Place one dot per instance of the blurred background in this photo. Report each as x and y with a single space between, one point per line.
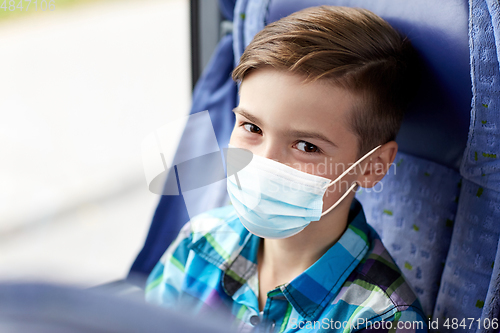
80 87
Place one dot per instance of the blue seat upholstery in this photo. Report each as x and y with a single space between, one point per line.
439 209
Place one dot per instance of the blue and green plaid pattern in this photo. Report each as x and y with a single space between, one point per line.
354 287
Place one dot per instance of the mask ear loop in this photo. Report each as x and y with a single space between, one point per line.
342 175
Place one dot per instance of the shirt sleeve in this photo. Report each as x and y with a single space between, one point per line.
407 321
164 284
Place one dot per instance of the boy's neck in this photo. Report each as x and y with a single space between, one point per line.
282 260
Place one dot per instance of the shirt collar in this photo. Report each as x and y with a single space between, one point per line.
310 292
233 249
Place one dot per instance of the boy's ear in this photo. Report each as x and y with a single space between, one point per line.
378 164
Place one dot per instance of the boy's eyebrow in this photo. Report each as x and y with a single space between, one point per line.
310 135
246 115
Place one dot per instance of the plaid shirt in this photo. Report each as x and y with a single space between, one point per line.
355 286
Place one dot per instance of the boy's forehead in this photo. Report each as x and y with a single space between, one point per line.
288 103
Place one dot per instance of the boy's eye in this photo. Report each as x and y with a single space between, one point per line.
307 147
252 128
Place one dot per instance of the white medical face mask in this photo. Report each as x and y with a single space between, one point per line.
274 200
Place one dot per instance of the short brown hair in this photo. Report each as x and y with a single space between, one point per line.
354 49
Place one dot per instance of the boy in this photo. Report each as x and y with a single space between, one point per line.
322 88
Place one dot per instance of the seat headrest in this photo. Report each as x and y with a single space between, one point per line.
437 124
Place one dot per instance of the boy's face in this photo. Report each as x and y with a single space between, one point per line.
302 125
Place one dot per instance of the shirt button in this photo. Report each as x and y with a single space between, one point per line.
254 320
